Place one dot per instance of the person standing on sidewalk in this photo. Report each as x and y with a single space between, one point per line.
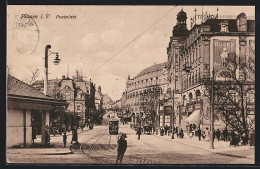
218 134
199 134
64 139
138 132
165 130
121 149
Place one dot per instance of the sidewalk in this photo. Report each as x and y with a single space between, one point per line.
57 140
220 147
41 155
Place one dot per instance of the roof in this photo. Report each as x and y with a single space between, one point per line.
18 89
82 85
232 25
151 69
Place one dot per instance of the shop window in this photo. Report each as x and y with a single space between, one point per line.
167 120
161 120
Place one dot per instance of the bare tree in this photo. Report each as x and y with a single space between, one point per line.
34 74
149 102
234 91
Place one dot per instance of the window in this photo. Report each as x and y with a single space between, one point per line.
223 28
78 108
161 120
167 120
199 75
192 78
67 95
199 51
195 77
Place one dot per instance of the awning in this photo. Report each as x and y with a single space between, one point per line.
194 118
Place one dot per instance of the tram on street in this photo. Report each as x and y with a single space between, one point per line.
113 126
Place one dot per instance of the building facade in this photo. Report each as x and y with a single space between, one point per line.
80 96
143 94
193 55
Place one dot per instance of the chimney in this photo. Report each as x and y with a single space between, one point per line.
242 22
99 89
63 77
128 77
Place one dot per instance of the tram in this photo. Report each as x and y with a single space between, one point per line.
113 126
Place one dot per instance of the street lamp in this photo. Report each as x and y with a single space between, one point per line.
56 62
212 112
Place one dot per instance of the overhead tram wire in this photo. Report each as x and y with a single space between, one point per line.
128 44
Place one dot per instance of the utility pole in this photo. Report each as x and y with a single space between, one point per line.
173 113
212 112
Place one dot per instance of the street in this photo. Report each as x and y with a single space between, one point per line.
97 146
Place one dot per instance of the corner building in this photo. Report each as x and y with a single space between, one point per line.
148 79
192 55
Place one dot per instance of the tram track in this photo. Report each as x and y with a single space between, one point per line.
97 148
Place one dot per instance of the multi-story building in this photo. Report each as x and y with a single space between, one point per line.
78 93
193 54
138 97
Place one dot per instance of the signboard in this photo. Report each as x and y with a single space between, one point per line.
222 49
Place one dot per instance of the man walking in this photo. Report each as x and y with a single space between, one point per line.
122 146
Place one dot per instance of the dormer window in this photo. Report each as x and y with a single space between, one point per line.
224 26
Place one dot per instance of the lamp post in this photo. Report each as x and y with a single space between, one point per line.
173 113
212 112
56 62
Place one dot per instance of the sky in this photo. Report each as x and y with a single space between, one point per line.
105 43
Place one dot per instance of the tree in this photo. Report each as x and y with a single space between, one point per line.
34 74
233 89
149 103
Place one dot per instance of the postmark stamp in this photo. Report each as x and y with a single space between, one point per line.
25 35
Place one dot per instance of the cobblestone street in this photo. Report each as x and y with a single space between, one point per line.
97 146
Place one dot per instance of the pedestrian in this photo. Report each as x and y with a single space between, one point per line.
199 134
122 146
64 139
207 133
218 134
181 133
225 134
244 137
162 131
138 132
165 130
34 131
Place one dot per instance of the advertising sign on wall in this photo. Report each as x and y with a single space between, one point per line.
222 49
